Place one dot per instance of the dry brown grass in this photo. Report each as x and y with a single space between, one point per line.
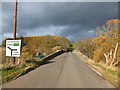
110 74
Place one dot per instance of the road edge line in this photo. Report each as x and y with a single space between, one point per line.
94 70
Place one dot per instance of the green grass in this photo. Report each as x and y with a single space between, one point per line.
110 74
11 73
8 75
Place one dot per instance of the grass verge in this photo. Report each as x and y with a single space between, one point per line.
10 73
110 74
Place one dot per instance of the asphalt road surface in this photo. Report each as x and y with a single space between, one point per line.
64 71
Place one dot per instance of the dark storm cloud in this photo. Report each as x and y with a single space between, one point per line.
71 20
84 14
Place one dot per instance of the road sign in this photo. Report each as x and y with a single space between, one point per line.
13 48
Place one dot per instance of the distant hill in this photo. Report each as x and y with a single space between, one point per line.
40 44
43 44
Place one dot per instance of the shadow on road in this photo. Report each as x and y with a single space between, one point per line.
53 55
48 62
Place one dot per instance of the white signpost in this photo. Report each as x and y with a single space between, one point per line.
13 48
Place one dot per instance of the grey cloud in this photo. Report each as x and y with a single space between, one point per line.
68 19
85 14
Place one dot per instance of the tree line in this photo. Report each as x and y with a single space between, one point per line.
105 47
39 44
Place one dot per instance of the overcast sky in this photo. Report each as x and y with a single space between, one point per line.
73 20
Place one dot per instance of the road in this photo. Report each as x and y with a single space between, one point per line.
64 71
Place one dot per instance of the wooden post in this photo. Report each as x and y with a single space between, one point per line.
15 24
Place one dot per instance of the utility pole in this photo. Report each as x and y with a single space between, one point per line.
15 19
15 24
